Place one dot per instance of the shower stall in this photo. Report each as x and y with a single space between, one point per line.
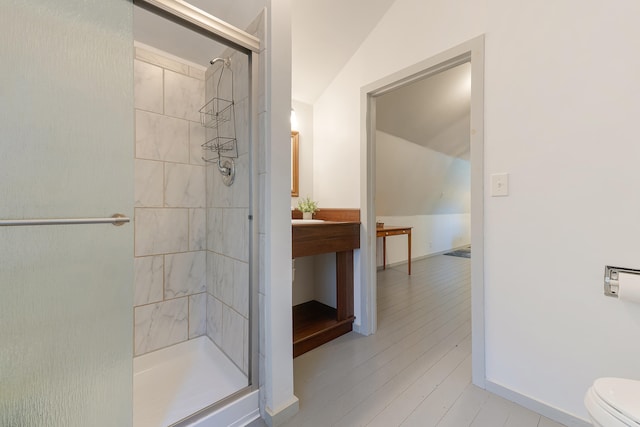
195 254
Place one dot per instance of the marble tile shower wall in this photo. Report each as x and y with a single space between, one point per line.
170 299
227 221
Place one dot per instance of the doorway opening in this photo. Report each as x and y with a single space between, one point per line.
471 52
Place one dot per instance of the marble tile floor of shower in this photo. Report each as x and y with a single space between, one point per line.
415 371
177 381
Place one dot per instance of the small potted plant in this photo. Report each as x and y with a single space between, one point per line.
308 207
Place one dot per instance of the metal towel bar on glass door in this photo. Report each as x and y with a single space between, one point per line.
117 219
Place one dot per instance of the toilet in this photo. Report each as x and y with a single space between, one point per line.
614 402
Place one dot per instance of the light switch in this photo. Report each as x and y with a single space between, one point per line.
499 184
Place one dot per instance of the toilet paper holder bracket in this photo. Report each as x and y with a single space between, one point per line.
611 284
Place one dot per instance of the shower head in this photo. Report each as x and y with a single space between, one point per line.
226 61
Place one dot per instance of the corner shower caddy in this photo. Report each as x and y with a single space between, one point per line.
218 114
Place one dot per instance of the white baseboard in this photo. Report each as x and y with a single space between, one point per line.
358 329
550 412
429 255
282 415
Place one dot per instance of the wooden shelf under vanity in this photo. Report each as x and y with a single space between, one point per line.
315 323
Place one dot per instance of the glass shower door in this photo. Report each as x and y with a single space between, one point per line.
66 130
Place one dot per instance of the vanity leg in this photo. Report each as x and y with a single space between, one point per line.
384 253
409 251
344 285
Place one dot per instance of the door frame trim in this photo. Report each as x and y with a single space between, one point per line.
470 51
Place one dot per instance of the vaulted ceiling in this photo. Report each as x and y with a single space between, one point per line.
432 112
325 34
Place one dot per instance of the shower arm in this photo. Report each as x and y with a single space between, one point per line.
226 61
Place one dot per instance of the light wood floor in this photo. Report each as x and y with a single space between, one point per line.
416 370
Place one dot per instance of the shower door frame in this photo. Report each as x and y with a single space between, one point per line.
205 24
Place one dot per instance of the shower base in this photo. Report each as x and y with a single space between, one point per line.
175 382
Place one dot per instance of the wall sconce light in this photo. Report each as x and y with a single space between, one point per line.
294 120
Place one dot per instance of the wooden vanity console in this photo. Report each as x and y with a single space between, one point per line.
315 323
324 237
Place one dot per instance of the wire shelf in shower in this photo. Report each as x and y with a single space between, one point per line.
222 147
216 112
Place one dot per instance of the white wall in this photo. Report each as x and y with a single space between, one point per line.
315 279
561 101
558 105
304 277
421 188
416 180
431 234
277 398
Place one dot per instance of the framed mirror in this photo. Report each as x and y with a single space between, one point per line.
294 164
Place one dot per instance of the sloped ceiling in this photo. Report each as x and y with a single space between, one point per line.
432 112
325 34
